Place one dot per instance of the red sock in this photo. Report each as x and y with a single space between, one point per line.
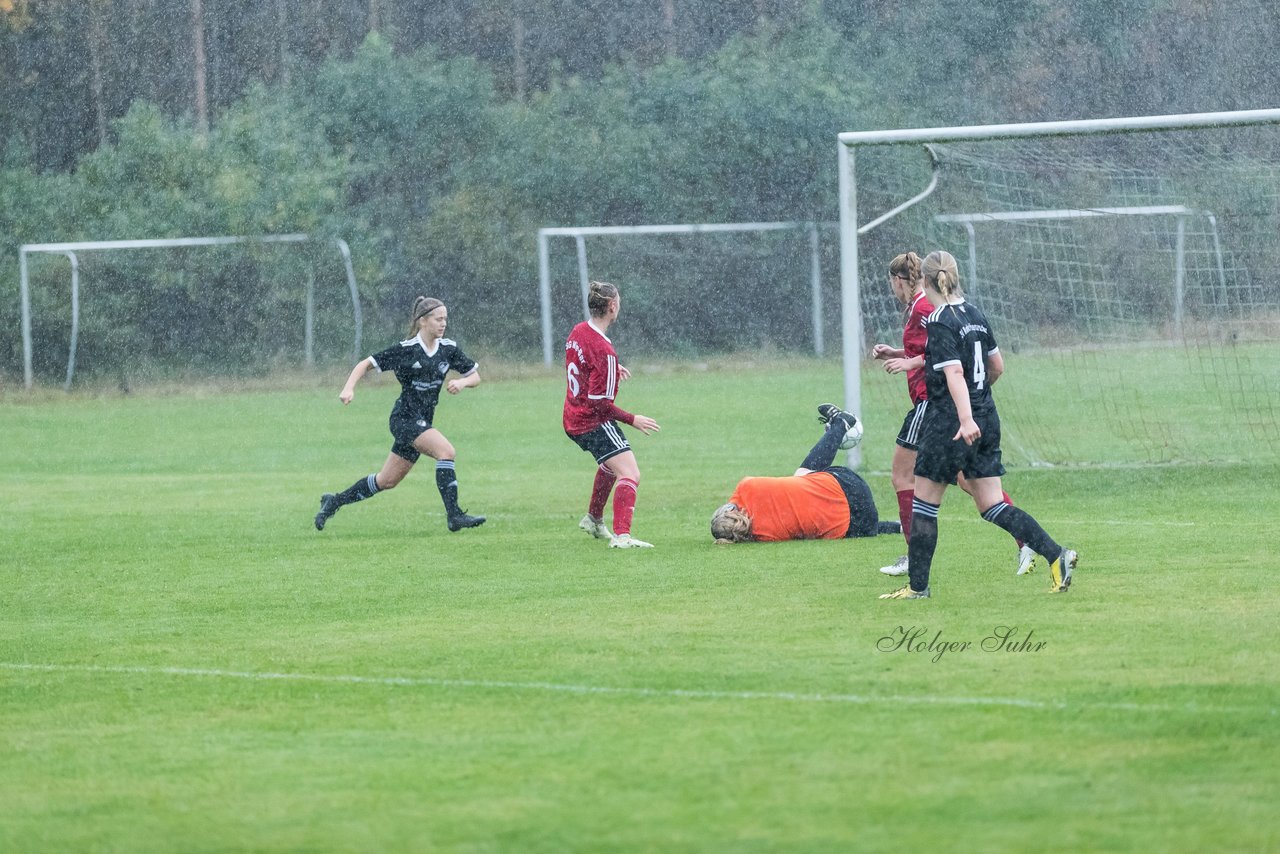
1009 501
600 491
624 504
905 497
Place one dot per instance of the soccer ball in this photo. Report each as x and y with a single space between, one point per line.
853 435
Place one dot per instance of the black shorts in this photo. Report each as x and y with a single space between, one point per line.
909 435
603 442
864 520
405 429
940 458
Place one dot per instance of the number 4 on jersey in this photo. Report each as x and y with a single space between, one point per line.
979 366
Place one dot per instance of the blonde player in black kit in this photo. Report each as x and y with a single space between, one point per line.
421 364
961 432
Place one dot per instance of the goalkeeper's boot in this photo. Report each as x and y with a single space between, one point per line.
595 527
905 592
828 411
850 422
328 506
626 541
1026 560
833 416
461 520
1060 571
898 567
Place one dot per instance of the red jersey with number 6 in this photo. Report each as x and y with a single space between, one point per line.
591 372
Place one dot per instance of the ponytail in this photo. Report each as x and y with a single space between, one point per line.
940 270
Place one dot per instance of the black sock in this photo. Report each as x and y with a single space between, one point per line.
1022 526
365 487
924 539
823 454
447 483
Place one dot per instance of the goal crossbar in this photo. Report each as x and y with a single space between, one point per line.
1070 213
1062 128
70 249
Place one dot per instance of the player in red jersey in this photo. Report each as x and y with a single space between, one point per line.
907 284
904 281
591 418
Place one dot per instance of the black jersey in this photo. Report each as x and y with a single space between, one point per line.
959 334
421 374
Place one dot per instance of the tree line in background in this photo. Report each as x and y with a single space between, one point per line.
436 136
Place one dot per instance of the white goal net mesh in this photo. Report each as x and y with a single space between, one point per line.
1130 278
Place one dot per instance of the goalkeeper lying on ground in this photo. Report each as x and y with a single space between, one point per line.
819 502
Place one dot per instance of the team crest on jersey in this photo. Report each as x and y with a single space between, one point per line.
443 367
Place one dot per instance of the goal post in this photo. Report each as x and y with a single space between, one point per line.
811 231
1124 261
70 250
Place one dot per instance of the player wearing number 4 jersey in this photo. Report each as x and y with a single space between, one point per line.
908 286
961 432
591 417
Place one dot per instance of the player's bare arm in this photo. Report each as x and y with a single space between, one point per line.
995 367
348 392
900 365
969 430
645 424
471 380
884 351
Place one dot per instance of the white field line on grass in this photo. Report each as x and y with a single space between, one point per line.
659 693
972 516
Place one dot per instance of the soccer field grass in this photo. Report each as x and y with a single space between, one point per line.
186 664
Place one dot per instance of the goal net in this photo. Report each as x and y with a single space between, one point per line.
185 306
695 290
1125 271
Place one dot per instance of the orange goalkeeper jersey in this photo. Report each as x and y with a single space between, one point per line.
808 507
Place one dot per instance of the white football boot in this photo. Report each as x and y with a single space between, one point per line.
626 541
595 527
1026 560
898 567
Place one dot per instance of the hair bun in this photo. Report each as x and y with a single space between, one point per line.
599 296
